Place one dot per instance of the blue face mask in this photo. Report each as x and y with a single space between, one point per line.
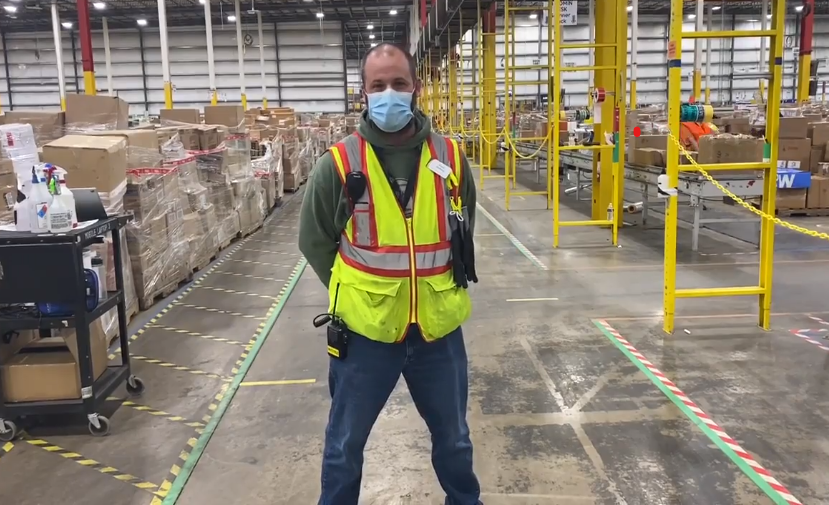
390 110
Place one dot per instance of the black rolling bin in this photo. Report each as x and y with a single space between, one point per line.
49 268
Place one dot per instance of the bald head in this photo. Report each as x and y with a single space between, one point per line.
389 66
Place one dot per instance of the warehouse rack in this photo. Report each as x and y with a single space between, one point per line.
769 167
38 268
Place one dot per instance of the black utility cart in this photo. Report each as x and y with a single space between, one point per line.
49 268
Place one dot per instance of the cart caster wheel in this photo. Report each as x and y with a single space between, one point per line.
10 431
135 386
103 430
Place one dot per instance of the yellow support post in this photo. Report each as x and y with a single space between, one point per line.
610 70
489 99
452 62
770 183
763 289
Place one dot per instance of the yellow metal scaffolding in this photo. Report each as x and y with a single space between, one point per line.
610 68
511 83
769 167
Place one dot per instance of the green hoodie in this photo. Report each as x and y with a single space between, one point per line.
325 208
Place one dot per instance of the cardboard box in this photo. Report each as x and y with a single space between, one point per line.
791 198
173 116
819 133
189 137
737 125
208 138
818 195
97 112
648 156
228 115
47 126
794 127
90 161
142 147
815 158
48 369
799 150
729 149
649 142
16 340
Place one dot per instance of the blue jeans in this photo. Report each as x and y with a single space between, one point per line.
360 385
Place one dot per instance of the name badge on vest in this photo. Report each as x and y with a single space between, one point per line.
440 168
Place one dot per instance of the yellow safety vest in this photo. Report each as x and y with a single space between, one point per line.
392 271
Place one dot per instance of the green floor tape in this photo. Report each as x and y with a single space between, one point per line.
187 470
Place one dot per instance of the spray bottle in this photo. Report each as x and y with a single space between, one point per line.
64 194
41 199
59 217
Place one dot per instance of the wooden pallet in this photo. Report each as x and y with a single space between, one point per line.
802 212
149 300
250 231
198 267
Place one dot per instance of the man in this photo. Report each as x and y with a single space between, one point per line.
377 228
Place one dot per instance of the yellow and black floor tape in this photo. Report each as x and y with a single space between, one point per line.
197 334
6 448
294 255
262 263
219 311
164 489
180 368
236 292
197 425
246 276
94 465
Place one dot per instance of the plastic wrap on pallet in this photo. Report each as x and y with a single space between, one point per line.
268 169
198 216
158 247
18 155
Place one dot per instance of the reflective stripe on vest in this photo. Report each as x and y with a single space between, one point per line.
394 261
360 250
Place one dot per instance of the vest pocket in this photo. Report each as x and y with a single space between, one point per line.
372 306
442 306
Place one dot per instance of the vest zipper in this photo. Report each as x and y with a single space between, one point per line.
413 267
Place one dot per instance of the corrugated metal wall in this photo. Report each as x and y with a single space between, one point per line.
308 74
311 69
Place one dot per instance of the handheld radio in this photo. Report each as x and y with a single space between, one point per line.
337 331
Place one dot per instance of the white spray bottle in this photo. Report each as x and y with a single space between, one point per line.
59 216
41 199
64 194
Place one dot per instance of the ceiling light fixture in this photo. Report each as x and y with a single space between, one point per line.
370 27
66 24
10 8
231 18
768 16
533 16
99 5
393 12
320 15
716 8
630 8
201 2
141 22
692 16
798 8
753 20
371 36
374 44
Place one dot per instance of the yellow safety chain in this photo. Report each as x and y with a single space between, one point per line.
743 203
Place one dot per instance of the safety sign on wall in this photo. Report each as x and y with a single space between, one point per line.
569 13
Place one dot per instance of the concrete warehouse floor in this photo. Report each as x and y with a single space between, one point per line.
576 395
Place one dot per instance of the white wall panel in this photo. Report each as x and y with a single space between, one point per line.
308 71
309 66
733 70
